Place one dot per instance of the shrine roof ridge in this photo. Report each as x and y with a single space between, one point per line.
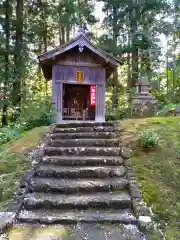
83 40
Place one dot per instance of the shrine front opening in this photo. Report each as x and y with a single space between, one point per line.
79 102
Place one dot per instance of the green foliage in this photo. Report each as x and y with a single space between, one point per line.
37 112
12 166
8 133
148 138
116 115
13 163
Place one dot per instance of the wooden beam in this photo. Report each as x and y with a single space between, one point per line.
78 64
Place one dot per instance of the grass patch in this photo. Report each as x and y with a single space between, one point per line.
158 170
13 162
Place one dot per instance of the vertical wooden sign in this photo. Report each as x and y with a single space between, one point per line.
80 77
93 95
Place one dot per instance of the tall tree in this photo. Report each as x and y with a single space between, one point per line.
134 29
6 59
18 59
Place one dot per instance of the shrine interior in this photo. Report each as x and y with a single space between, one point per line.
77 102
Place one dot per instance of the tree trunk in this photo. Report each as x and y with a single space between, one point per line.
44 15
133 18
129 77
115 75
67 33
16 98
115 91
45 37
59 31
6 58
167 69
62 35
176 8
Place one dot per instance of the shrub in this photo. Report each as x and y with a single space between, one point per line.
148 139
116 115
8 134
36 113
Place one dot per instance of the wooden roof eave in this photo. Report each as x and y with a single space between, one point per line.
79 40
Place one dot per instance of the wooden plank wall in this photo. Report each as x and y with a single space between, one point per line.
67 74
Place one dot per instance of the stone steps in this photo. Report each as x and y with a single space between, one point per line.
115 200
84 129
87 135
80 172
82 151
81 179
45 216
68 186
84 143
83 160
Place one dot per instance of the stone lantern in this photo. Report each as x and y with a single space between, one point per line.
143 103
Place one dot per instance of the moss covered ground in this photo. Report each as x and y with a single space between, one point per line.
14 162
158 169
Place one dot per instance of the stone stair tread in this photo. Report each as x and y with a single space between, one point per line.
82 151
78 185
80 135
79 231
84 129
74 172
111 199
54 216
83 160
85 142
84 124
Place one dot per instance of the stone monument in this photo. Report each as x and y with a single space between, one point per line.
143 102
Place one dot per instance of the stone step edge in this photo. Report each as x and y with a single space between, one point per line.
54 217
83 160
84 172
74 186
84 135
115 200
105 123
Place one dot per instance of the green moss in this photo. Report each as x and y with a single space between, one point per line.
13 163
157 170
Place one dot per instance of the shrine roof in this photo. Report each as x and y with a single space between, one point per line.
81 41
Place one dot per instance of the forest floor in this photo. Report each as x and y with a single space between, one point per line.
158 169
14 162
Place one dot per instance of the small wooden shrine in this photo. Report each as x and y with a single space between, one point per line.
78 71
